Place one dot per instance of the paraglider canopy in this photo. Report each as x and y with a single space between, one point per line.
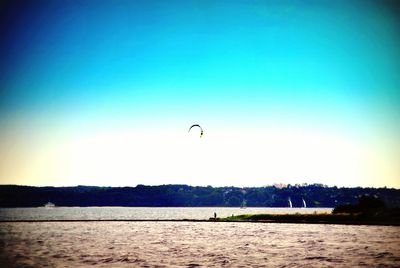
196 125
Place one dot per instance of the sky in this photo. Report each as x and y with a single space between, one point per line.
104 92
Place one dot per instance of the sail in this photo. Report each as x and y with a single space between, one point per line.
244 204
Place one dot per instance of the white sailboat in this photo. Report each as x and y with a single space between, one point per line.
304 203
290 202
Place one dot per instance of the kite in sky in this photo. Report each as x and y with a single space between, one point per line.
196 125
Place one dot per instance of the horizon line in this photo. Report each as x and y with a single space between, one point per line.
276 185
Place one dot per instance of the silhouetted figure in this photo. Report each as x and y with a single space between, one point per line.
215 215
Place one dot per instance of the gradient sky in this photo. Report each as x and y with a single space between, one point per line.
103 92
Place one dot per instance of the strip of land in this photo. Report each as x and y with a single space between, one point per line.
317 218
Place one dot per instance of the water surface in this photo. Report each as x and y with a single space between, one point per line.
190 244
138 213
187 244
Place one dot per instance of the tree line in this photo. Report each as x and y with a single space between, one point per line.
315 195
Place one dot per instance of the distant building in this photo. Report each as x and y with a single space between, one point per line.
280 185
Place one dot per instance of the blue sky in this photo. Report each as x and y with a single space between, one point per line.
74 71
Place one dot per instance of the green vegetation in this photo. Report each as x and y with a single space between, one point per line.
316 218
366 205
369 210
315 195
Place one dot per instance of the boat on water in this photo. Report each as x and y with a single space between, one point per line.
49 205
290 202
304 203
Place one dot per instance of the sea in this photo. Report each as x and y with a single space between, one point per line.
28 240
139 213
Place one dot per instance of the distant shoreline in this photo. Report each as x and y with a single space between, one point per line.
310 196
222 220
318 218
